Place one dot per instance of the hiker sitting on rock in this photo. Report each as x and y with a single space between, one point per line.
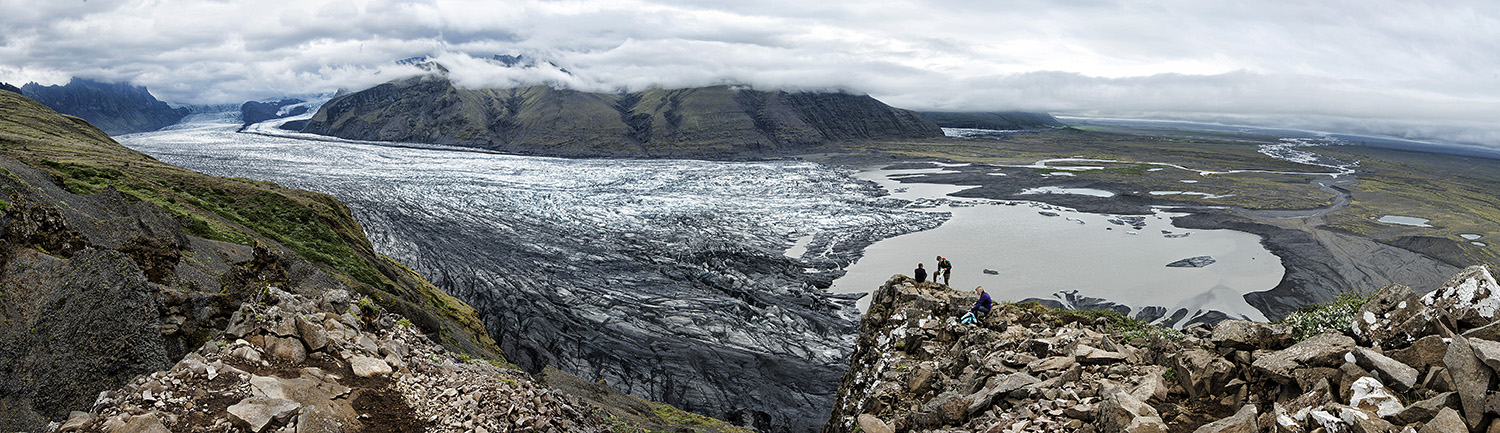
980 307
921 273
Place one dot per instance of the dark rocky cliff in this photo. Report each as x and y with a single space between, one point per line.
1000 120
709 122
115 108
257 111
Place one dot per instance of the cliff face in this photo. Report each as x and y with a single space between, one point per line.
1399 362
256 111
708 122
113 264
115 108
1001 120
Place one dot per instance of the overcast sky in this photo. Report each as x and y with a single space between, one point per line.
1401 67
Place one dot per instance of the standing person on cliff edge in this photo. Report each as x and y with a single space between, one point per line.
945 268
922 274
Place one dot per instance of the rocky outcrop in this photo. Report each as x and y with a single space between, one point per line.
116 108
721 122
337 363
293 363
1085 374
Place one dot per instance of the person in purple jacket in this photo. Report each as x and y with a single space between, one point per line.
980 307
984 304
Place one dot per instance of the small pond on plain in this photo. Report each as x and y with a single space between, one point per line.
1405 220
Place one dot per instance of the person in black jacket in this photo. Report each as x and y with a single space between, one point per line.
921 273
945 268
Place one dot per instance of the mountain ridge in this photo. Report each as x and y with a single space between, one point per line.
718 122
115 108
998 120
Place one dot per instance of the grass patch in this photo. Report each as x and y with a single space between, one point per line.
1110 321
1335 315
1131 170
678 416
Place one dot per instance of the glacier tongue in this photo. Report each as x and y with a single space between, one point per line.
664 278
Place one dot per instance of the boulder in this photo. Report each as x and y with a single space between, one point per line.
982 400
1050 364
284 326
1243 421
286 349
268 387
1348 374
1470 298
1322 350
1247 335
1308 378
870 424
1379 320
365 366
76 421
1487 351
1119 412
950 408
1363 421
1091 355
257 413
1423 411
1400 377
314 419
1202 373
1446 421
240 324
921 380
1487 332
313 335
1423 353
1471 375
1438 380
1152 387
1368 394
247 354
148 423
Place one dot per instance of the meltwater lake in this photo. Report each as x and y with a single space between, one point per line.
1038 256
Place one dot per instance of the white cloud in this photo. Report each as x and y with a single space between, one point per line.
1431 62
